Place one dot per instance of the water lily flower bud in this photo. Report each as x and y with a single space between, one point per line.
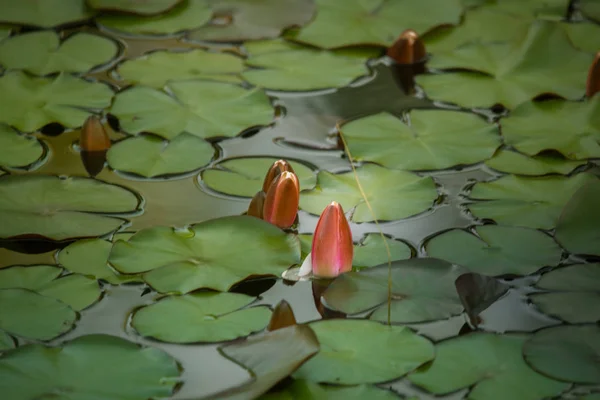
408 48
93 137
332 251
255 209
593 79
281 203
277 168
283 316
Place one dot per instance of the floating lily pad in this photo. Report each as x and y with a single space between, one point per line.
158 68
590 9
42 53
88 367
202 108
392 194
146 7
489 363
516 163
422 290
543 9
5 31
58 209
30 103
44 13
584 35
478 292
203 257
496 250
577 348
244 176
155 156
377 22
358 351
523 201
201 317
433 140
301 389
18 150
6 341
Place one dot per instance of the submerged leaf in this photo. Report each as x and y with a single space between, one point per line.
44 13
478 292
18 150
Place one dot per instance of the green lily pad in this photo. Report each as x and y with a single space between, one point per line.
202 108
59 209
301 389
492 363
86 368
358 351
433 140
156 69
392 194
4 31
422 290
577 277
29 103
577 229
244 176
590 9
525 201
155 156
33 316
44 13
204 257
584 35
376 22
577 348
42 53
544 61
201 317
516 163
146 7
6 342
496 250
544 9
18 150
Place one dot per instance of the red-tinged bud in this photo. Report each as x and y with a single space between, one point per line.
93 137
255 209
332 249
281 202
277 168
283 316
408 48
593 79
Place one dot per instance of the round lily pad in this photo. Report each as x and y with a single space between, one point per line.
433 140
146 7
18 150
577 348
358 351
590 9
203 256
422 290
491 364
202 108
44 13
516 163
201 317
496 250
6 341
42 53
392 194
29 103
584 35
83 367
301 389
59 209
244 176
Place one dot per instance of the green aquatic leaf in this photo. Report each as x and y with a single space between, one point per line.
146 7
32 277
59 209
43 53
301 389
29 103
201 317
432 140
202 108
576 277
5 31
44 13
156 157
422 290
357 351
377 22
392 194
496 250
590 8
584 35
88 368
513 162
491 364
18 150
203 256
577 348
244 176
6 342
543 9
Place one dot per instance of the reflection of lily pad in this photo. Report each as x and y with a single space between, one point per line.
492 363
18 150
496 250
516 163
43 13
155 156
392 194
202 108
146 7
6 342
244 176
357 351
422 290
301 389
201 317
577 348
88 367
42 53
204 257
58 208
433 140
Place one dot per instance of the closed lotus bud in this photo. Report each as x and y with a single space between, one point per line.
93 136
408 48
283 316
281 203
255 209
593 79
332 250
277 168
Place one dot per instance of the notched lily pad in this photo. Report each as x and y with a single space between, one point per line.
301 389
516 163
18 150
44 13
146 7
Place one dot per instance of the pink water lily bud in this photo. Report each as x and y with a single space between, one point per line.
593 79
277 168
281 203
408 48
255 209
93 137
332 250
